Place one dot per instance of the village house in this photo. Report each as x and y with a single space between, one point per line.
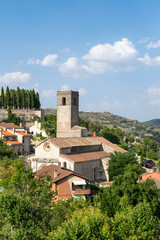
36 129
65 183
73 149
16 137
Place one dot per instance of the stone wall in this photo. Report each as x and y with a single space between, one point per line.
26 114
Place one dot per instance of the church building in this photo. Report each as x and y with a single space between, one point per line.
73 149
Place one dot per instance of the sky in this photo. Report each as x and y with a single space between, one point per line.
108 50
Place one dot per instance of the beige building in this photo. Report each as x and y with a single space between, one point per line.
36 129
73 149
16 137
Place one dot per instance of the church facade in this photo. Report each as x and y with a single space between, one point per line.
72 149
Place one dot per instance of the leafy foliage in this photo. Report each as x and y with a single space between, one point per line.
25 203
5 150
49 125
19 98
118 162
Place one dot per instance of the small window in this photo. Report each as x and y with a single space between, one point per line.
75 101
64 165
63 101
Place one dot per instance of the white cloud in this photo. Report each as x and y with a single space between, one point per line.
15 77
48 93
32 61
154 95
155 102
108 104
67 50
153 45
82 92
121 56
48 60
144 40
72 67
147 60
64 88
153 91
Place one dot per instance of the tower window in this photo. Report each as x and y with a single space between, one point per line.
75 101
63 101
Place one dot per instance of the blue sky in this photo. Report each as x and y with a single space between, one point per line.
109 50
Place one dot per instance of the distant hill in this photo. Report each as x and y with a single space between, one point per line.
153 122
128 126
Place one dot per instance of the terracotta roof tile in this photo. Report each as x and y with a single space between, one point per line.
6 133
61 173
10 125
14 142
76 141
108 143
23 133
83 157
154 175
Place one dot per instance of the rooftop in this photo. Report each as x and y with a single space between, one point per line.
6 133
10 125
14 142
83 157
61 173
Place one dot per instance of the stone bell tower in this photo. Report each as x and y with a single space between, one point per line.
67 112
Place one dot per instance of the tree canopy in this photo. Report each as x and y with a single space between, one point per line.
19 98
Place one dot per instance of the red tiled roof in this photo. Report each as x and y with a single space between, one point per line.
23 133
108 143
83 157
61 173
14 142
6 133
10 125
154 175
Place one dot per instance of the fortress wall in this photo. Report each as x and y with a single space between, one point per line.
24 113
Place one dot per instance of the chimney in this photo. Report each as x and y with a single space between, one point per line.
13 130
21 124
94 134
55 173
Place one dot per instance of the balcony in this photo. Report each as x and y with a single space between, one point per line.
81 191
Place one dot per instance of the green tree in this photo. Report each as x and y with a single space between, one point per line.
7 97
18 97
5 151
49 125
23 98
25 203
10 115
2 97
118 162
28 99
37 101
113 135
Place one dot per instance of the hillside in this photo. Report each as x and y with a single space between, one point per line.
128 126
153 122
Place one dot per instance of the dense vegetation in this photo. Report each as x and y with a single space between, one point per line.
126 210
19 98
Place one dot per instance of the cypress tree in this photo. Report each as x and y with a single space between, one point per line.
23 97
18 97
32 93
7 97
14 98
2 97
10 115
29 99
37 101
